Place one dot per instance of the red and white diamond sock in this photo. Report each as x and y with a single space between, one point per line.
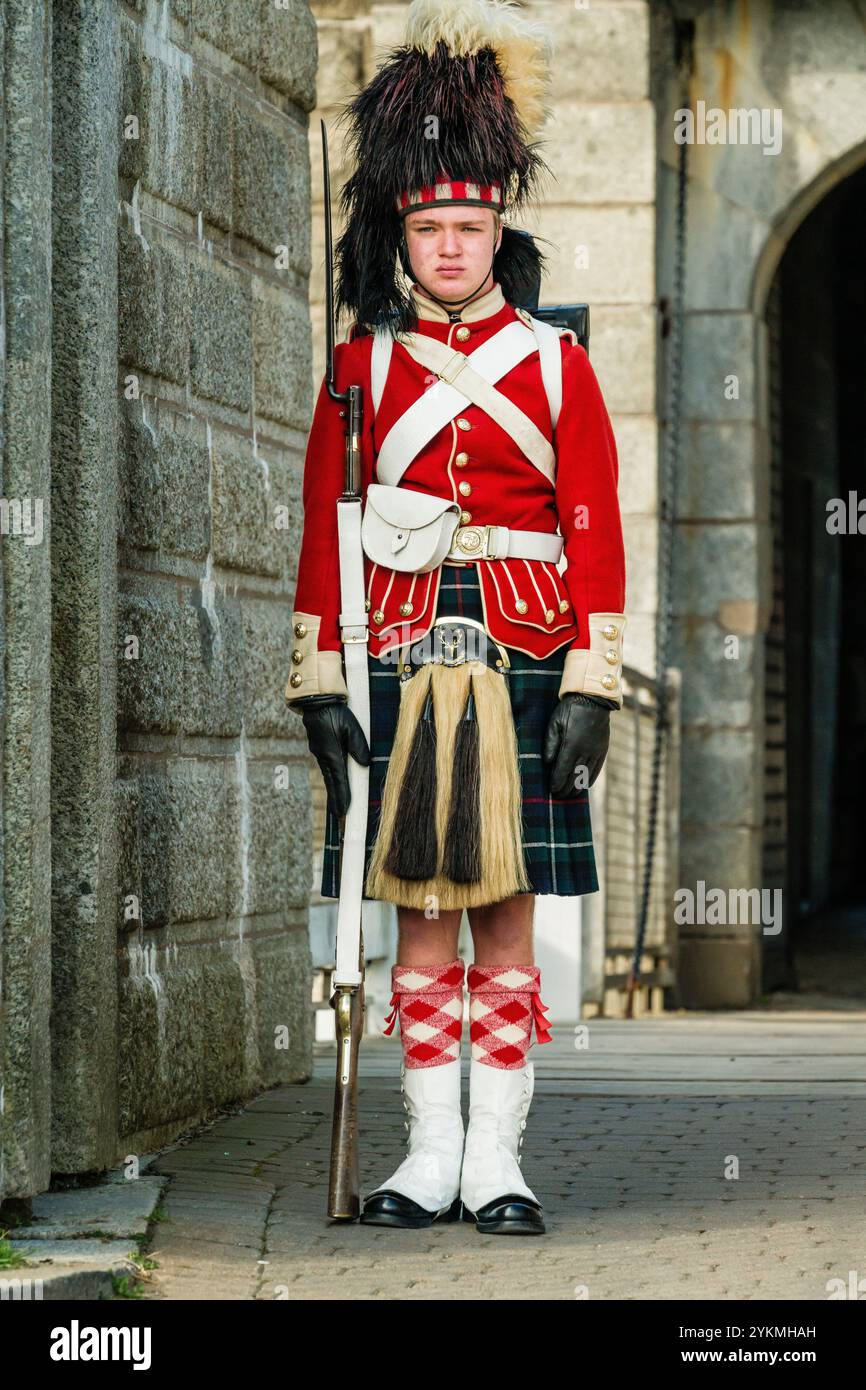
503 1002
430 1003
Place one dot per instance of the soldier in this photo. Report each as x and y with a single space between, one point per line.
488 458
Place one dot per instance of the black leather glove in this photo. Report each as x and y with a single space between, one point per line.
577 735
333 732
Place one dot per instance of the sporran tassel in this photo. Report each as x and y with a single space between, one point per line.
414 852
473 797
462 861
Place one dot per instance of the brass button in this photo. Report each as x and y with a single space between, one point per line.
297 657
366 605
609 682
563 605
462 460
462 334
611 657
465 518
378 616
295 678
609 632
465 488
406 609
300 629
463 423
549 616
521 605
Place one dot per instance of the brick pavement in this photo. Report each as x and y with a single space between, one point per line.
627 1146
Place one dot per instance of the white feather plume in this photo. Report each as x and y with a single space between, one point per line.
522 47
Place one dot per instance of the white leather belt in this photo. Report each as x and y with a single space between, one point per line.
502 543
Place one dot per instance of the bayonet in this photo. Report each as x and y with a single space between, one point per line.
352 398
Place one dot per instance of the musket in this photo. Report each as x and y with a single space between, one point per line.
347 997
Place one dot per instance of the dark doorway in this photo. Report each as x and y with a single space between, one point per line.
815 762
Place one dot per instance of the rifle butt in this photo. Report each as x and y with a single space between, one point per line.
344 1202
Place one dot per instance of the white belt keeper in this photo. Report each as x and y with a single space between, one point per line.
354 626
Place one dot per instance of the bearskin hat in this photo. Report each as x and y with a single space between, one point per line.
447 119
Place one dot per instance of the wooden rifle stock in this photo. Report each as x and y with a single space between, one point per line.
344 1202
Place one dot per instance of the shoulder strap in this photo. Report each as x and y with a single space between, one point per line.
549 353
464 379
550 357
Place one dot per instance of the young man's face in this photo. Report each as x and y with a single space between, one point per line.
451 249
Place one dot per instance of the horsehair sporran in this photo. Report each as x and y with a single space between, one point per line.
497 794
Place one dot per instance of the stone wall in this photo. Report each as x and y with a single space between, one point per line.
214 352
805 60
600 216
158 357
25 609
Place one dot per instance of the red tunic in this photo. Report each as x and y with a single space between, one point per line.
528 604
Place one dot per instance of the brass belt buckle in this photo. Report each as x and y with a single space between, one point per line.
473 540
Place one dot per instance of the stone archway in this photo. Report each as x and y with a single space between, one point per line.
744 207
815 652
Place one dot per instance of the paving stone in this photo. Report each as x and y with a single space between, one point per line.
625 1147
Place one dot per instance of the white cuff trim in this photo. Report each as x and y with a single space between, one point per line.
598 669
313 672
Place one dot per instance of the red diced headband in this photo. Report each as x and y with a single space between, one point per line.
445 191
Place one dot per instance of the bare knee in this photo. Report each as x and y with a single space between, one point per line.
502 932
424 940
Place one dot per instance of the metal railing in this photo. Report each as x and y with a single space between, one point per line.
620 812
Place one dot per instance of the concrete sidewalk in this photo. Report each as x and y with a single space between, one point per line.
628 1145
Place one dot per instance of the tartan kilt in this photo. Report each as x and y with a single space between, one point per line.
557 834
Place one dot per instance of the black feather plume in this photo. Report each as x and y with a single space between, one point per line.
421 117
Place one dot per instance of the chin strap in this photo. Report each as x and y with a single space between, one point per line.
449 305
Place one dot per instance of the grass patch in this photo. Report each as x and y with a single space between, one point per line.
11 1258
